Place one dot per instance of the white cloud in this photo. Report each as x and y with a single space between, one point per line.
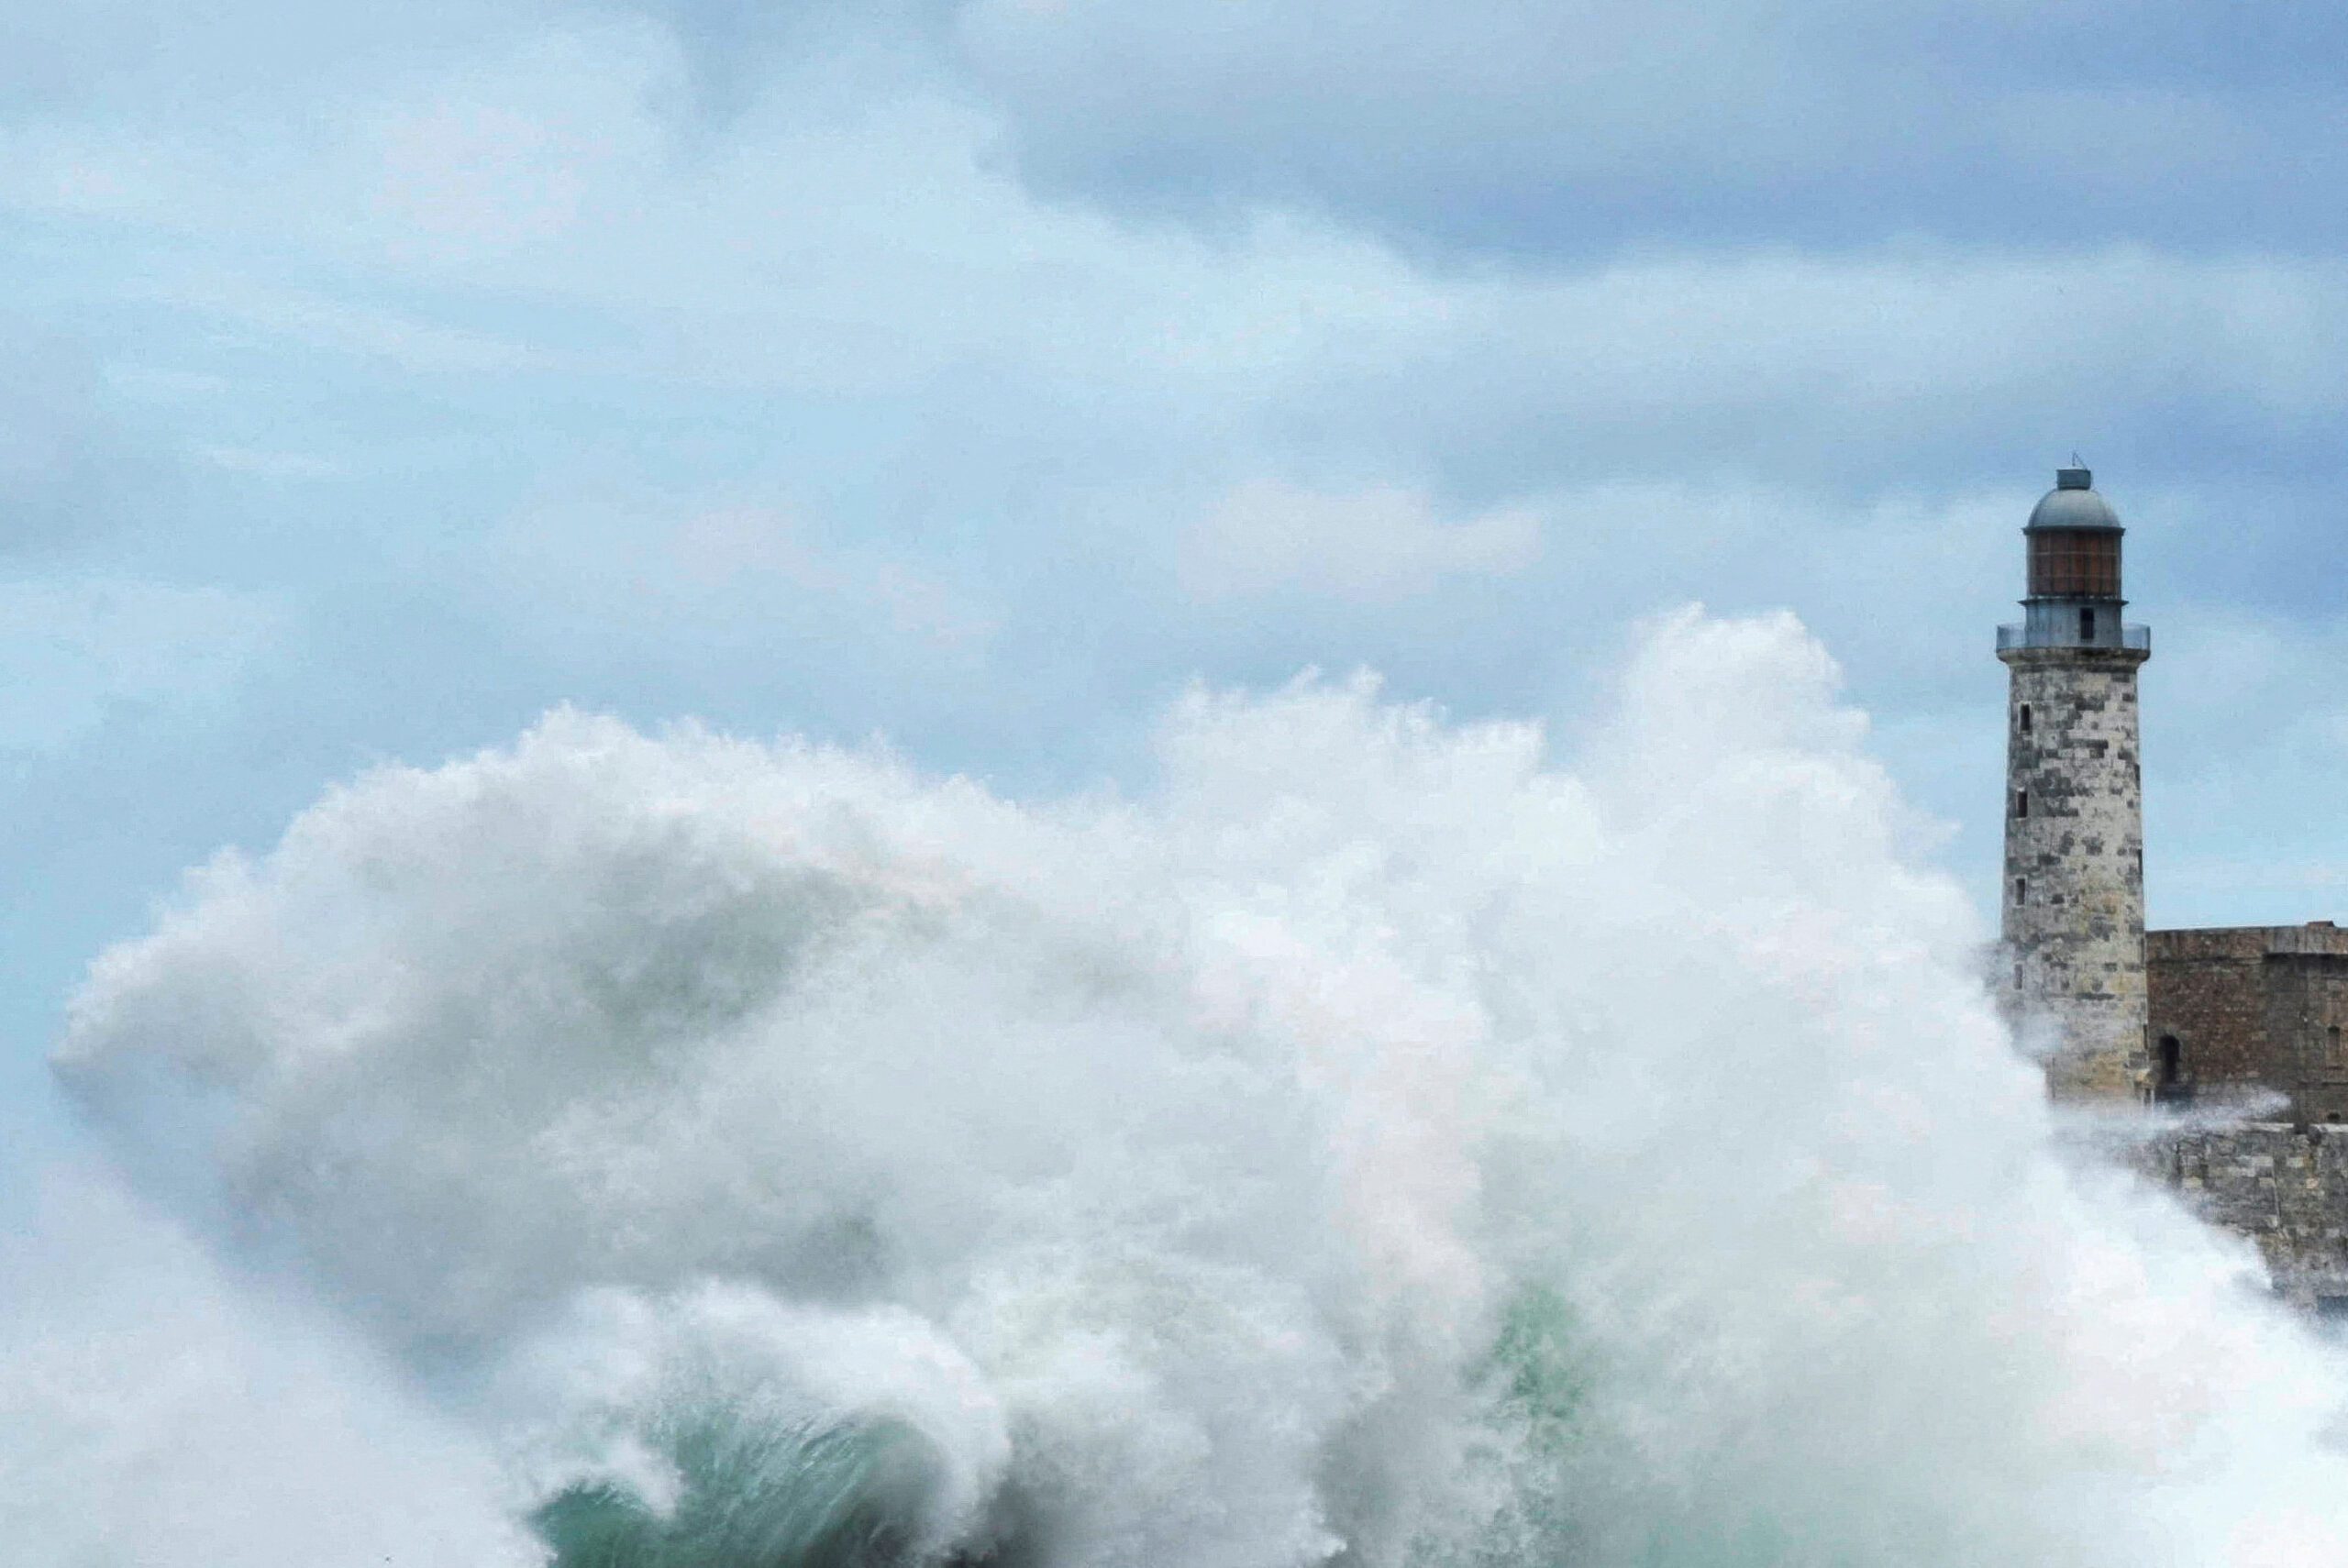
1370 546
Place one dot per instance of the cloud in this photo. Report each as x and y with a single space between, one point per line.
1542 129
675 262
1536 129
1370 546
848 237
1892 367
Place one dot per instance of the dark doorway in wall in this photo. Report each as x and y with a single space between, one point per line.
2169 1087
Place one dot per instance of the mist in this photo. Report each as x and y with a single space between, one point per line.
1377 1140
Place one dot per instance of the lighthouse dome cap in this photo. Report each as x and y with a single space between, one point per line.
2073 504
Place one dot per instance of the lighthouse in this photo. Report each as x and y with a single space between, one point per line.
2073 948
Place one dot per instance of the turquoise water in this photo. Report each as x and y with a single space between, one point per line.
752 1496
766 1494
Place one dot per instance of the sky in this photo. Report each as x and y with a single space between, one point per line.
977 375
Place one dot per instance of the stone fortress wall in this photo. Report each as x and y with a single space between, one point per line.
2283 1187
2244 1014
2250 1020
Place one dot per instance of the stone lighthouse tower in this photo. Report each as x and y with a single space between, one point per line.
2074 926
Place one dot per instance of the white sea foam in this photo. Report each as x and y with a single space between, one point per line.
1377 1141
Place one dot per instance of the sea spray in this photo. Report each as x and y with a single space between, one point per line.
1376 1142
158 1410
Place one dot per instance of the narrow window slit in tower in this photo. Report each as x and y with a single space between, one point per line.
2025 718
2022 802
2086 626
2022 890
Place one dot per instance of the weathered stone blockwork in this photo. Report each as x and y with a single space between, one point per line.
2285 1188
2249 1011
2074 917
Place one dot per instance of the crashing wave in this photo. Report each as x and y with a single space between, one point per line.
1379 1142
